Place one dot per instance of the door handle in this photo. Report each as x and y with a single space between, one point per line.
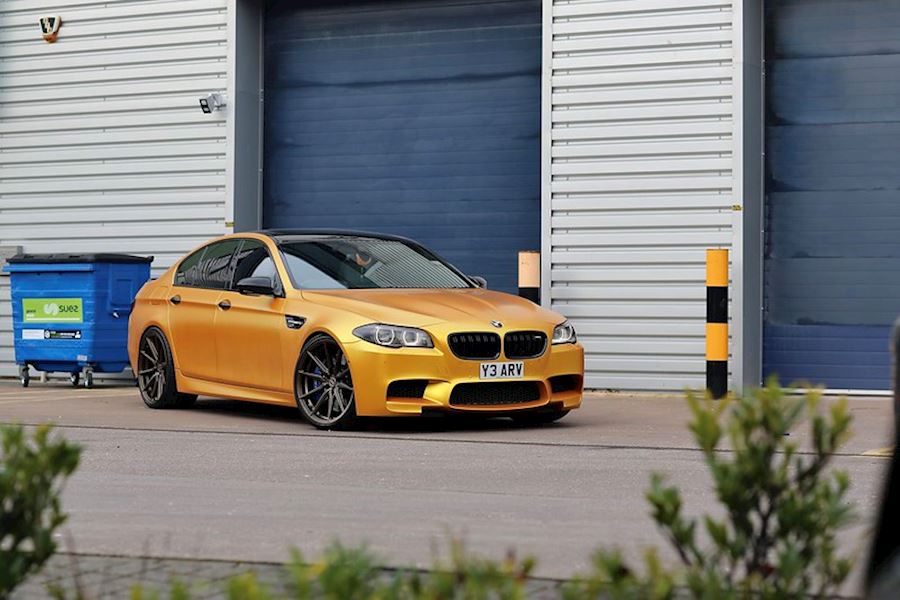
175 299
224 304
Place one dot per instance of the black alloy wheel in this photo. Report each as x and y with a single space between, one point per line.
156 373
323 387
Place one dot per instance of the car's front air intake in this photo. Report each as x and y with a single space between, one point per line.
475 345
407 388
524 344
565 383
495 393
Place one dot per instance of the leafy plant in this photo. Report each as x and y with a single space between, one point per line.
466 575
33 470
344 573
783 507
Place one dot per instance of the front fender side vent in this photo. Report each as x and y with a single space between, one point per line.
293 321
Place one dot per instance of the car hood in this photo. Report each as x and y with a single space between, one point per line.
472 307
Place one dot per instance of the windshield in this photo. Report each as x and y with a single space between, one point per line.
334 263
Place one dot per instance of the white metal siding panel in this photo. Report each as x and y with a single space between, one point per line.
6 342
640 180
103 147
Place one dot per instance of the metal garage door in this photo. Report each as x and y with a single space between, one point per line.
417 118
833 190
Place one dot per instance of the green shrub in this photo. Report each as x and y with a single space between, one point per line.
344 573
466 575
33 470
783 507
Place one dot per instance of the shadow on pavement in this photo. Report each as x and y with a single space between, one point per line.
428 424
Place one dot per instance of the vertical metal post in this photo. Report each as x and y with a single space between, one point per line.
717 322
530 275
895 366
881 572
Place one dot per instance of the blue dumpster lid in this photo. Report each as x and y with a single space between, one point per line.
77 258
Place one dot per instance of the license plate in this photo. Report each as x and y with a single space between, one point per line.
501 370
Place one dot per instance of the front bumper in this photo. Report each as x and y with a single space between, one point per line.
374 369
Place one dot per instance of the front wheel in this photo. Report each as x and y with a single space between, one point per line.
323 387
156 373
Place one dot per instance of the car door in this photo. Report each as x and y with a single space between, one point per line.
249 327
199 281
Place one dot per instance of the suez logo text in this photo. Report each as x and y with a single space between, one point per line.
52 310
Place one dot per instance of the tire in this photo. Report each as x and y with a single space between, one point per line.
156 373
24 376
88 379
74 378
323 385
539 418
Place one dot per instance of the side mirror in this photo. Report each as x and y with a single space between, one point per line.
263 286
479 281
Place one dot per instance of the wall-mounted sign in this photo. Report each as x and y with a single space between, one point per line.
50 27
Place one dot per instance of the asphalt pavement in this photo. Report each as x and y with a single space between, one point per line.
242 482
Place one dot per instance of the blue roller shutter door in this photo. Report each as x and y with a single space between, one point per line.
413 118
833 190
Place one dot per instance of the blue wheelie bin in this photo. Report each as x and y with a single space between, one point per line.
70 311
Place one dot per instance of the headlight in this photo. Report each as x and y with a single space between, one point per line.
394 336
564 333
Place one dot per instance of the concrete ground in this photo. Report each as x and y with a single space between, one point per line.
235 481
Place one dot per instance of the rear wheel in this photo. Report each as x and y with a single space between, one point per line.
156 373
323 387
539 418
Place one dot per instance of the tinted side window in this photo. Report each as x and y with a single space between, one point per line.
254 260
216 266
188 271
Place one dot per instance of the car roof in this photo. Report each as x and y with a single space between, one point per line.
290 235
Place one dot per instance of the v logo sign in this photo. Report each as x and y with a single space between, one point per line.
50 27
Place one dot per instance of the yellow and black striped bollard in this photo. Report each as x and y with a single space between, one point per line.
717 322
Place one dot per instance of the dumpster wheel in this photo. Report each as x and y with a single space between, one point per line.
88 378
24 376
74 378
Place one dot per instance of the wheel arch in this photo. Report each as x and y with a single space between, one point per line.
345 419
310 336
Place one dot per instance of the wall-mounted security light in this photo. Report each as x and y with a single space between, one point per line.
212 102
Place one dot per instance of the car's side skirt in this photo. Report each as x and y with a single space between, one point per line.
201 387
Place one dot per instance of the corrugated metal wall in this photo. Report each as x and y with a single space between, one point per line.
640 181
103 147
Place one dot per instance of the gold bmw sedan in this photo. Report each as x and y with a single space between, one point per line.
346 325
